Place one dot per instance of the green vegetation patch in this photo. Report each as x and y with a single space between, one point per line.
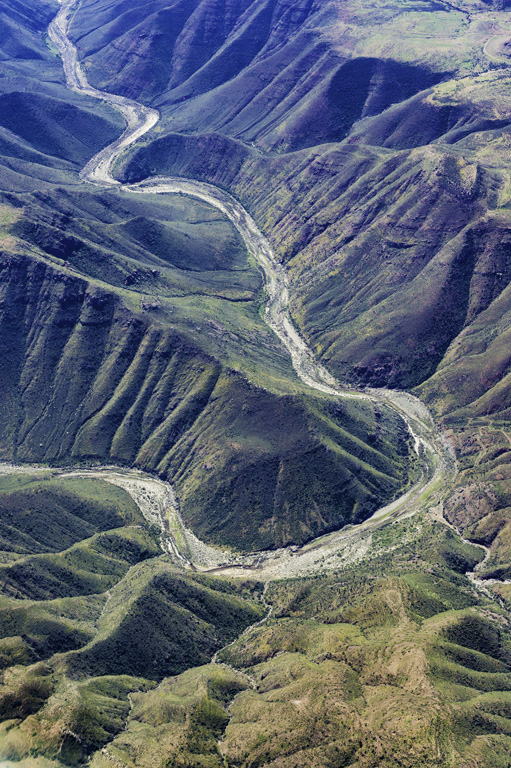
159 622
50 514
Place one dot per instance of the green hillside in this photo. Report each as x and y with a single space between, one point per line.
386 207
133 332
49 515
90 612
390 213
401 664
47 133
148 395
371 145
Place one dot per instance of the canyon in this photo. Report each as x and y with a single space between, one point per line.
213 552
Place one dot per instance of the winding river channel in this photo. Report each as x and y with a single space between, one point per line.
156 498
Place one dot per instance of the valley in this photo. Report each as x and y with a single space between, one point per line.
213 554
437 465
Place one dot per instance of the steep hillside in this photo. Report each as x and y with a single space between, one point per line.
391 212
45 515
86 625
404 665
47 133
404 207
53 127
384 207
21 27
375 244
86 378
133 334
259 71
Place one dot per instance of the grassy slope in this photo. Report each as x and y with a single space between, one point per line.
46 133
178 372
83 626
156 622
175 383
403 665
387 670
50 515
395 217
375 307
381 228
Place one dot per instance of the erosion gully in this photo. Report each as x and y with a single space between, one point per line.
156 498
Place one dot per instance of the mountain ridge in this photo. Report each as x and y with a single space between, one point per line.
394 656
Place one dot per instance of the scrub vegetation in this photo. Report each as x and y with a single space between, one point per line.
132 333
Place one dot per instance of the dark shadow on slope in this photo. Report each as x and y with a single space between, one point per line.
360 88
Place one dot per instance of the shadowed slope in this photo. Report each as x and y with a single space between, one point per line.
147 395
46 132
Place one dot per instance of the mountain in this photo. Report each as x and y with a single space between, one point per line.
94 374
370 145
122 297
392 664
390 212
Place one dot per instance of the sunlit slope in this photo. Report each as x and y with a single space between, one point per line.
93 615
377 243
130 337
402 666
158 357
134 334
396 231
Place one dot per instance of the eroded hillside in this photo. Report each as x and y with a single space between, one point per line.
133 333
372 147
370 144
